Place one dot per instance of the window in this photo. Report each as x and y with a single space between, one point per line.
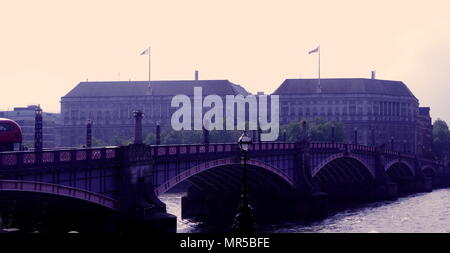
360 111
82 116
352 110
99 115
74 114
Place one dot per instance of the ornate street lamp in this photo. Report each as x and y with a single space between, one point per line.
89 133
243 221
38 129
138 126
158 134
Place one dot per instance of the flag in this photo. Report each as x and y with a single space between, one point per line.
146 51
314 50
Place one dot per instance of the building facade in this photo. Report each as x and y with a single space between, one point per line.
25 117
424 130
110 106
375 111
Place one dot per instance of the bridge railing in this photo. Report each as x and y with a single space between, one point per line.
341 146
397 153
168 150
363 148
49 157
164 150
62 155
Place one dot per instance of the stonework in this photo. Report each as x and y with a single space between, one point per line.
377 111
110 106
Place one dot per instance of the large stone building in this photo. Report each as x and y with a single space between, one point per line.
25 117
376 111
110 106
424 131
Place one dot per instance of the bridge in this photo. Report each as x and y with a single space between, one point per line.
117 188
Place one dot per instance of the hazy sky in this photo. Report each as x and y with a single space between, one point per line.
47 47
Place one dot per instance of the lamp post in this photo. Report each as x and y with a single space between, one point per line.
259 134
243 221
89 133
356 136
38 129
304 131
158 134
138 127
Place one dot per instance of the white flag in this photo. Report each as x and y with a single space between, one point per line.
317 49
146 51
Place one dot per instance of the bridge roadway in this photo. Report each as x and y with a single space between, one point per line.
119 186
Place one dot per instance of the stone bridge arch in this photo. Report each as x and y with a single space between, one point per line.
344 176
342 155
399 169
428 170
18 186
218 173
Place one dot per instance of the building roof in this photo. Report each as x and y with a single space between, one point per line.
344 86
159 88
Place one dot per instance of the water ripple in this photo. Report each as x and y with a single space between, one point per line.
424 212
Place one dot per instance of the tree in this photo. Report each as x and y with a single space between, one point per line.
171 136
441 139
120 140
98 142
224 136
317 129
150 139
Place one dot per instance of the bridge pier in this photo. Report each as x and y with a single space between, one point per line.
220 208
416 184
310 202
384 191
314 206
385 188
140 209
421 182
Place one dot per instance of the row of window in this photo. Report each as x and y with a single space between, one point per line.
114 115
351 110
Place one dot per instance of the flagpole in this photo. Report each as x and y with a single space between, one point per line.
320 88
149 62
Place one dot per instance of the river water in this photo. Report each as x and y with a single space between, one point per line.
423 212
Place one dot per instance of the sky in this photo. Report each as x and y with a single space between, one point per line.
48 47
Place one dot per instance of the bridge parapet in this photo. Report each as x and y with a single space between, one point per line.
30 159
217 148
24 159
340 146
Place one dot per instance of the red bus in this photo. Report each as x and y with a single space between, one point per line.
10 135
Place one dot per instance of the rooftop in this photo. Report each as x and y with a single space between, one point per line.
344 86
159 88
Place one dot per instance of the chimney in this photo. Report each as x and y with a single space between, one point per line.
196 75
373 74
